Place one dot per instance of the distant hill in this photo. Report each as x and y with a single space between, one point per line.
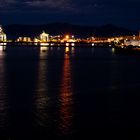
17 30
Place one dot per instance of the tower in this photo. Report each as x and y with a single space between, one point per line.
3 37
44 37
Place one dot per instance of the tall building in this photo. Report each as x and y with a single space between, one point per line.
44 37
2 35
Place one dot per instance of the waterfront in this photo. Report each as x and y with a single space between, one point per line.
47 93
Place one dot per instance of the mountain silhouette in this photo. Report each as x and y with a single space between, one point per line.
109 30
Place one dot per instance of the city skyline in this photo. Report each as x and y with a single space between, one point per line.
92 12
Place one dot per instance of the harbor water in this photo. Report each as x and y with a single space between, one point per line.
58 92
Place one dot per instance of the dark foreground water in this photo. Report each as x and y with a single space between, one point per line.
46 93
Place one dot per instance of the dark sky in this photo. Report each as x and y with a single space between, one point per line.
88 12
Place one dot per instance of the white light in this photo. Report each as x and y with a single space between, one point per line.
113 50
72 44
1 48
44 44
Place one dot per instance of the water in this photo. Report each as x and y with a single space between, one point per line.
46 93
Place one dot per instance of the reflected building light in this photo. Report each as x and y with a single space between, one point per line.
3 44
1 48
72 44
44 44
43 52
51 48
41 99
44 49
73 49
58 48
67 49
67 44
66 99
113 50
4 101
36 44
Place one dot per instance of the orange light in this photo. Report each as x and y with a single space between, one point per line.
67 36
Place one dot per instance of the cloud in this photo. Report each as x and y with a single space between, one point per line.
73 6
107 8
59 4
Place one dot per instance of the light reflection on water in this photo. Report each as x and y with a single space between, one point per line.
42 101
43 52
66 97
41 98
113 51
4 105
96 99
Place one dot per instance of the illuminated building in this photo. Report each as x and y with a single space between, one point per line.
68 38
36 40
2 35
44 37
132 42
24 39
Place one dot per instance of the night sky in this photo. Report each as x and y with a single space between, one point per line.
86 12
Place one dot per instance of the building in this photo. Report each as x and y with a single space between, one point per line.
3 36
132 43
68 38
44 37
24 39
